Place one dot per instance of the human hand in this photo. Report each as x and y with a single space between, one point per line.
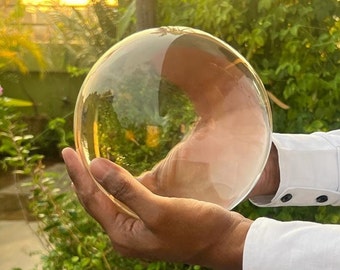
169 229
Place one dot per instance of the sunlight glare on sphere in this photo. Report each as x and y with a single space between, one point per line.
181 110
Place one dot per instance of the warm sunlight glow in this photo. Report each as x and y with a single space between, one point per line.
74 2
112 2
66 2
36 2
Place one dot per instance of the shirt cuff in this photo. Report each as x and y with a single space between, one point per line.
309 170
279 245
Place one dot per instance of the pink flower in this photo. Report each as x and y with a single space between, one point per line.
1 90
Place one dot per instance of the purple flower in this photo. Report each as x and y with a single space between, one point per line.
1 90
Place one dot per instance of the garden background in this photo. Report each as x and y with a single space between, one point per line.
46 51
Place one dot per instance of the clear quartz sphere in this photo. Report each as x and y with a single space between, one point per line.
181 110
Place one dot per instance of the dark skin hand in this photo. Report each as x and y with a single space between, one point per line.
169 229
180 229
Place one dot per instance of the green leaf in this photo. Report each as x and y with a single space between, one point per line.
294 30
264 5
85 262
12 102
75 259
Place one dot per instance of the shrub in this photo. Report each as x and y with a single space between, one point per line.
16 42
294 46
73 240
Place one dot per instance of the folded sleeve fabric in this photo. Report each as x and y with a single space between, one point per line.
310 175
309 170
275 245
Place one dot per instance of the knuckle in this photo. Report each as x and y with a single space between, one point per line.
88 199
119 188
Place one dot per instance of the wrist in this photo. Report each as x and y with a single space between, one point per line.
228 252
269 181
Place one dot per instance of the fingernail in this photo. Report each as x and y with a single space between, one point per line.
64 153
68 154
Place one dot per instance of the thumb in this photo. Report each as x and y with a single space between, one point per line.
120 184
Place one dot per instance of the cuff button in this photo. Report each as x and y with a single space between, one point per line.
286 197
322 199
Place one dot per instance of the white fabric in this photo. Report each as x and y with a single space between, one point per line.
296 245
309 168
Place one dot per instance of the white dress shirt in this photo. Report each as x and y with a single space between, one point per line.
309 175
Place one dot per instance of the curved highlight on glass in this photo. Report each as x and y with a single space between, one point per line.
180 109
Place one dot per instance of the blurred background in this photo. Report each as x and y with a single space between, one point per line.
48 47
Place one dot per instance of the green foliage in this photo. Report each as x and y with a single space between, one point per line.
15 144
70 232
92 31
295 48
16 41
293 45
54 137
13 102
127 126
73 239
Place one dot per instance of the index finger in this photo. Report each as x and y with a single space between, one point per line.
96 203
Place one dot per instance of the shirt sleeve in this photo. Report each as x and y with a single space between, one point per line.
309 170
291 245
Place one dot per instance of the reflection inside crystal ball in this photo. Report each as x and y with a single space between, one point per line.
181 110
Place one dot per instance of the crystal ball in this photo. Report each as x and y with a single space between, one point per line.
181 110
